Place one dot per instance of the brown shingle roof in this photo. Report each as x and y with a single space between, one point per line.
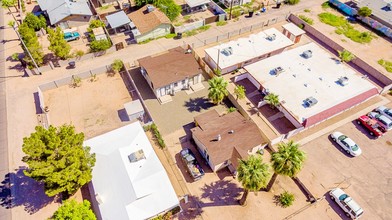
232 146
146 22
170 67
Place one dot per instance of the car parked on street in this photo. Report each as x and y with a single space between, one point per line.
349 206
384 121
193 167
346 143
387 112
372 125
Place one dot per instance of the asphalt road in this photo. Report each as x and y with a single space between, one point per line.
5 214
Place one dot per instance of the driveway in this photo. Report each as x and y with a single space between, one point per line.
366 178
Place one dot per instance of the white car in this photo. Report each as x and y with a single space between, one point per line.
384 121
349 206
346 143
387 112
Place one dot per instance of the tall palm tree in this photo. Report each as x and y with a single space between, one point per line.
253 175
288 161
240 92
217 91
272 99
346 56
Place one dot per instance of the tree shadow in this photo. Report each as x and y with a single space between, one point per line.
221 193
198 104
19 190
190 210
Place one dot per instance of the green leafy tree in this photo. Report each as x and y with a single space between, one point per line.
117 65
73 210
58 45
272 99
35 22
217 90
95 24
57 157
100 45
8 4
346 56
287 161
240 91
31 40
364 11
253 175
286 199
169 7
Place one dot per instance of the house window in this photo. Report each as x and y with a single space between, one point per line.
183 81
175 84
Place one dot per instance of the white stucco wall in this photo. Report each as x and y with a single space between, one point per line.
159 31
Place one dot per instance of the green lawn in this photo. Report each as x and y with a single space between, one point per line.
386 64
343 27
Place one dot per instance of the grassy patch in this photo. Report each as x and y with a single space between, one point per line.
146 41
343 27
307 10
196 31
306 19
104 7
386 64
169 36
221 23
325 5
204 28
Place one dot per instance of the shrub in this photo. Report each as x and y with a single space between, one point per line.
231 109
286 199
306 19
307 10
169 36
100 45
293 2
117 65
204 28
364 12
15 56
386 64
95 24
221 23
326 5
79 53
158 135
76 81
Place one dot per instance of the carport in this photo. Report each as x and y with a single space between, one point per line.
119 22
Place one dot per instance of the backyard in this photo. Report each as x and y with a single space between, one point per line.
93 107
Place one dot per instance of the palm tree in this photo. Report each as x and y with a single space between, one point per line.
240 92
217 91
288 161
272 99
346 56
253 175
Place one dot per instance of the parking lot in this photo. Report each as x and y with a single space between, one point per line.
367 178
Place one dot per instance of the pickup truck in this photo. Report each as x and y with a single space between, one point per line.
70 36
194 168
372 125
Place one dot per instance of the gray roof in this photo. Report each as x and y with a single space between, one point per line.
379 9
194 3
118 19
57 10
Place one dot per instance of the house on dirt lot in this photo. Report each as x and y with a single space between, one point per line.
67 13
171 72
224 139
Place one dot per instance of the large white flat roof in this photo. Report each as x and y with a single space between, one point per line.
137 190
248 48
316 76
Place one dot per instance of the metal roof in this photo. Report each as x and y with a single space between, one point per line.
57 10
118 19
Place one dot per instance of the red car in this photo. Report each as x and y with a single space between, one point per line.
375 129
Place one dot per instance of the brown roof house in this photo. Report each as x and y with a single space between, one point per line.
223 140
170 72
150 23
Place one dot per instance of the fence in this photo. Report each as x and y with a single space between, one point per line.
189 27
386 82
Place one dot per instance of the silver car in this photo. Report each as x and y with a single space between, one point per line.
387 112
384 121
346 143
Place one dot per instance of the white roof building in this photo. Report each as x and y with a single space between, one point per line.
317 76
243 50
129 181
57 10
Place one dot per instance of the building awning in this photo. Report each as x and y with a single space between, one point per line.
118 19
195 3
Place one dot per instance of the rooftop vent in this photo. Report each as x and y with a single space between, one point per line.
231 131
136 156
227 51
343 81
271 37
150 8
307 54
311 101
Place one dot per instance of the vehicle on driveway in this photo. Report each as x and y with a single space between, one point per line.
387 112
346 143
384 121
372 125
70 36
194 168
349 206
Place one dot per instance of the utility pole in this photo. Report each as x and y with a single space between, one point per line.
27 49
231 8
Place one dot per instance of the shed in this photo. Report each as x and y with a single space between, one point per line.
119 19
99 33
293 32
134 109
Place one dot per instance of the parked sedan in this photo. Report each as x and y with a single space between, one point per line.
387 112
346 143
384 121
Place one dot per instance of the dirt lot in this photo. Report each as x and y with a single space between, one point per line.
366 178
378 48
94 107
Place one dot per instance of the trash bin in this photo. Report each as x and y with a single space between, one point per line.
179 35
251 14
72 64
